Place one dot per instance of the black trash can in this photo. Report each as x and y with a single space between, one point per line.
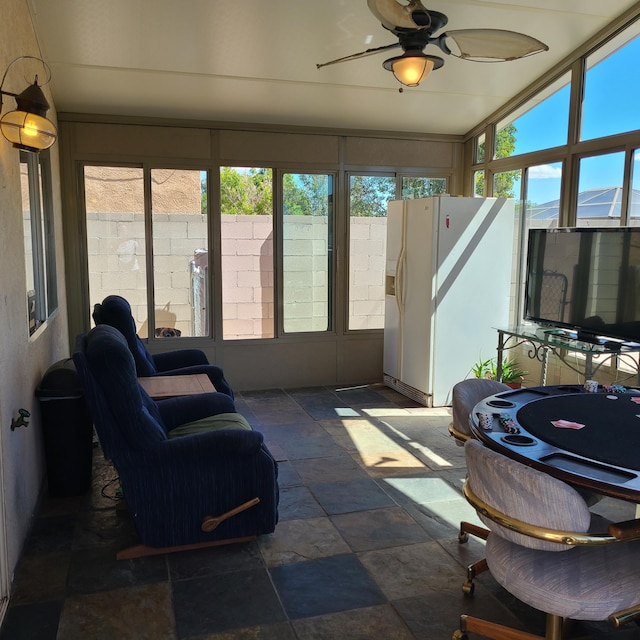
67 430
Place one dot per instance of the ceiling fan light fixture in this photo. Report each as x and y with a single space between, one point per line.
412 67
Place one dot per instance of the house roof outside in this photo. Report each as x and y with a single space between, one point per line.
592 203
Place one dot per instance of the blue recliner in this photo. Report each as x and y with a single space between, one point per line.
208 487
115 311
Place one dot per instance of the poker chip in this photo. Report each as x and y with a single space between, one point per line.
508 423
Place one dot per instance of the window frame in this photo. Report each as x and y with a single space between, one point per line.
279 289
43 254
574 151
398 175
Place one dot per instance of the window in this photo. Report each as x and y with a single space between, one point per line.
541 210
634 196
246 232
603 171
368 198
611 85
506 184
114 201
39 240
600 190
542 123
419 187
150 233
180 250
542 198
307 251
480 144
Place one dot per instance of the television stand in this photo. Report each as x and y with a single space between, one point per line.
588 337
542 342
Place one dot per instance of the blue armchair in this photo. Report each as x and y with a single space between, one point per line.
115 311
213 486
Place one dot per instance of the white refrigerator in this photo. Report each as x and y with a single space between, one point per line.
447 286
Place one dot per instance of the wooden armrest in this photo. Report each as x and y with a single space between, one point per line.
625 530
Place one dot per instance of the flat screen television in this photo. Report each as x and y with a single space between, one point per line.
585 280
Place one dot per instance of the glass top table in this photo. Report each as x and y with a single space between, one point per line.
541 341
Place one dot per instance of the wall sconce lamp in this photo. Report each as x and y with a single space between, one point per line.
27 126
412 67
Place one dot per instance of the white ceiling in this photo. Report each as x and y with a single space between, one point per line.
255 60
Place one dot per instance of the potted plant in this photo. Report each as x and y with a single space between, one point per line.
483 368
512 374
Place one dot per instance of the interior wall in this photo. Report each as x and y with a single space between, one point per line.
23 360
338 357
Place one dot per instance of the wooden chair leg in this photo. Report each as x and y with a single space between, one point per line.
492 630
467 528
468 587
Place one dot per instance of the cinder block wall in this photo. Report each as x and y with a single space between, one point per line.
117 264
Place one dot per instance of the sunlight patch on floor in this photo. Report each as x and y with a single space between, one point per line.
432 456
385 412
436 498
385 463
424 490
346 412
428 453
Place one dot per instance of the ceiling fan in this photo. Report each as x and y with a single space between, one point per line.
414 25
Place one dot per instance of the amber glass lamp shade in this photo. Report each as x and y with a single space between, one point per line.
412 67
27 127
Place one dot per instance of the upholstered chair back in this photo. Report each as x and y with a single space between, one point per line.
466 394
525 494
115 311
125 417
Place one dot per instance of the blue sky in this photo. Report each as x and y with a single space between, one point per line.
610 106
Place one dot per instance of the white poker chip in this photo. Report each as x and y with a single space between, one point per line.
612 397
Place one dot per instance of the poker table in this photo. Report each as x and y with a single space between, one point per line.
590 440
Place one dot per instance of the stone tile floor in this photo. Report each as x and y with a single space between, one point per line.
366 546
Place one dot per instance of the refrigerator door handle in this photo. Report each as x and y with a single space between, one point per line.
400 290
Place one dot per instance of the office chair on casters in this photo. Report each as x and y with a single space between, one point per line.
464 397
541 549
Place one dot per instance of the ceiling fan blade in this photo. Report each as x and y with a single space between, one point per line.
393 15
490 45
362 54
